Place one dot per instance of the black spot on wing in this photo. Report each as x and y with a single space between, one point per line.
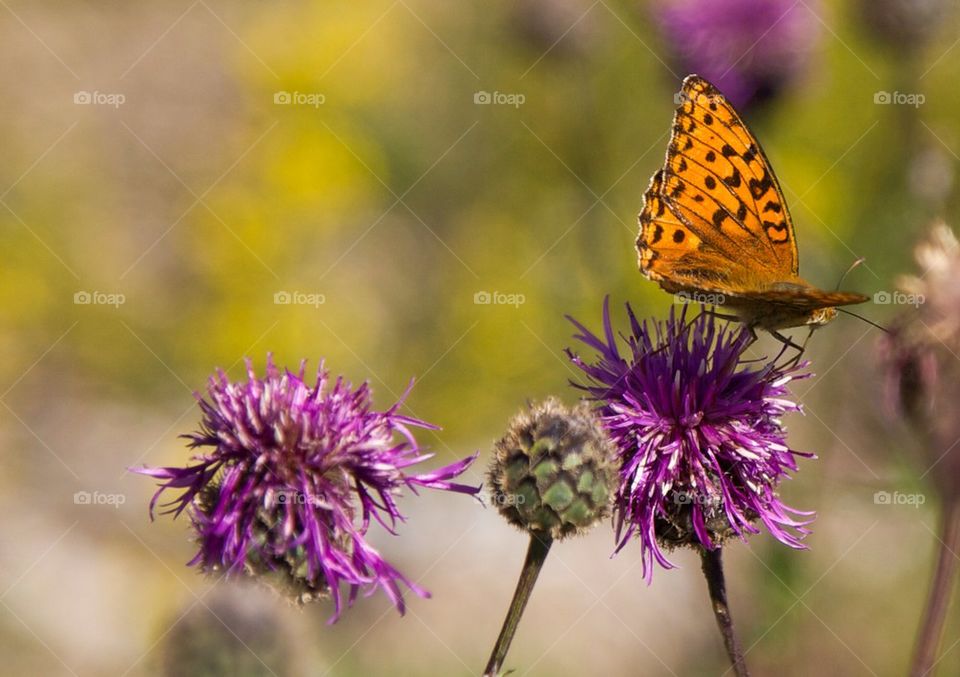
777 232
678 236
759 187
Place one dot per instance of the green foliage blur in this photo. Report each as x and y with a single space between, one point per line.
398 199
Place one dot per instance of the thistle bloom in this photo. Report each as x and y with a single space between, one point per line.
702 447
749 49
291 478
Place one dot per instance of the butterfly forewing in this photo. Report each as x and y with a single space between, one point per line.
715 219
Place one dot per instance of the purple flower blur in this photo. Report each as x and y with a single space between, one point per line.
701 442
291 478
749 49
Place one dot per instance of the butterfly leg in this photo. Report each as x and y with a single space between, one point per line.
788 343
721 316
803 347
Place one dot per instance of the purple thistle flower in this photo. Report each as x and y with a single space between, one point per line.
749 49
701 443
292 477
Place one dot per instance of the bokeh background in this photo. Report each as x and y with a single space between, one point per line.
169 167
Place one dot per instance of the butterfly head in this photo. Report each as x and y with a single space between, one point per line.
821 316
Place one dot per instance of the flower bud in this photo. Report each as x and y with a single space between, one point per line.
555 470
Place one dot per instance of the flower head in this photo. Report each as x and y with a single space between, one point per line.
702 447
291 477
749 49
920 354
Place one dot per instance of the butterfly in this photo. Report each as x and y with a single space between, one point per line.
715 228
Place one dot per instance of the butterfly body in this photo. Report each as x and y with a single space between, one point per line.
715 226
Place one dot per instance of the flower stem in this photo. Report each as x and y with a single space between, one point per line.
536 555
940 589
713 572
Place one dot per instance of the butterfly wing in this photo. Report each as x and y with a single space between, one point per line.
679 254
718 191
798 297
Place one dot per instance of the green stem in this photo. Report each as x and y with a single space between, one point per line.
935 615
713 572
536 555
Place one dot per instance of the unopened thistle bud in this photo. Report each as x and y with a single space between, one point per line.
554 472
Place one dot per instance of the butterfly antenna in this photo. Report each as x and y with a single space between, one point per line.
848 271
861 317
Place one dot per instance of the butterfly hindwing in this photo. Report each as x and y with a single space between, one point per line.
670 249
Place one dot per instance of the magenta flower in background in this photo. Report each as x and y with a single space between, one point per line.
702 446
749 49
291 477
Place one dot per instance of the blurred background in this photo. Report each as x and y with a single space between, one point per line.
420 188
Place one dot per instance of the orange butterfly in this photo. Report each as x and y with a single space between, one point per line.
715 225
